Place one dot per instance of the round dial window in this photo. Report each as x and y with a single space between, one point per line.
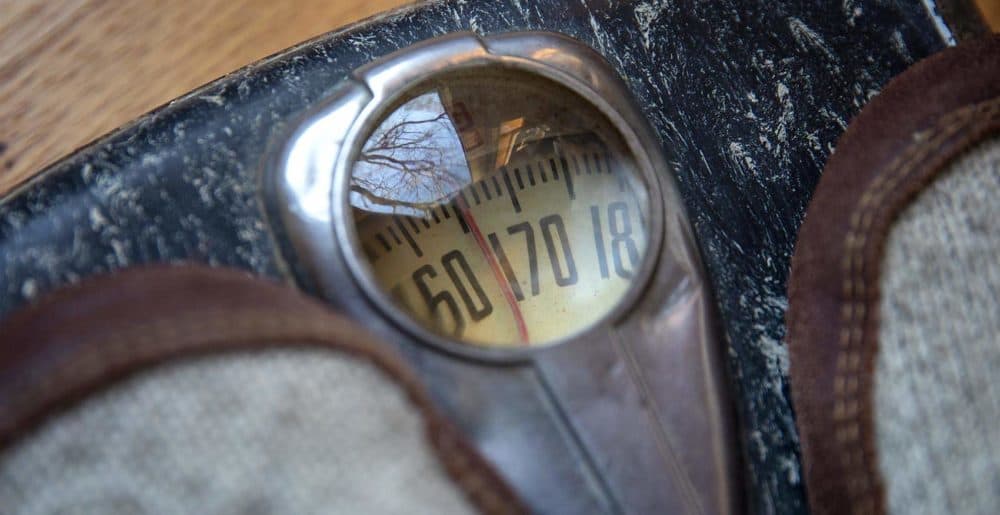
499 208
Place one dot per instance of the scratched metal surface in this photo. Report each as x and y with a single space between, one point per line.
747 97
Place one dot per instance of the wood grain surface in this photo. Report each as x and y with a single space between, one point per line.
72 70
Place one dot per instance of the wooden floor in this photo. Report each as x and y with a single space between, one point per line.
72 70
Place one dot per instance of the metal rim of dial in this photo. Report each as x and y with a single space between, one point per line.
553 57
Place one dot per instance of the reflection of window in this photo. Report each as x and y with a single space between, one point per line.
412 161
505 143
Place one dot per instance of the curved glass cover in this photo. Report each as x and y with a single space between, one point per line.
498 208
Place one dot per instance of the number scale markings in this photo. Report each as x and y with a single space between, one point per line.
510 250
504 175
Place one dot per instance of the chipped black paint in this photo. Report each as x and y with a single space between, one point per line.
747 97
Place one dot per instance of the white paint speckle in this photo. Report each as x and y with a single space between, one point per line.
120 253
87 173
757 442
599 33
646 15
900 46
782 91
836 118
362 41
741 157
853 12
97 219
474 25
806 37
151 159
213 99
776 355
245 234
29 289
791 468
520 8
787 119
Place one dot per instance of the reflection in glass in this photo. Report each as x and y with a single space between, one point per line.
498 208
412 161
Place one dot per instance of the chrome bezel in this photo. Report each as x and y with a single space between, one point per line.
315 161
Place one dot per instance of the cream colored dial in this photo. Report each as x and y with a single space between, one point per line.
499 209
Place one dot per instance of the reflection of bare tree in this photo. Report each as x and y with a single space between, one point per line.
406 164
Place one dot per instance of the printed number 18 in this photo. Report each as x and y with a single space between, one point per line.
620 229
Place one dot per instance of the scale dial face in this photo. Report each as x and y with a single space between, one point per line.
498 208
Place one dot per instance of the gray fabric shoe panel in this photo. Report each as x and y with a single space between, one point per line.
272 432
937 392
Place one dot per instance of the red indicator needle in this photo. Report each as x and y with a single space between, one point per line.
508 294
